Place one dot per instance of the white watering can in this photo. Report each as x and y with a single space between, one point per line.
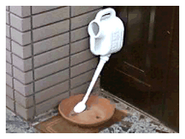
106 37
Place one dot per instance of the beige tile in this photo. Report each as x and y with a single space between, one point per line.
8 44
20 37
7 8
8 56
9 92
76 10
51 56
21 11
25 90
9 68
22 24
26 102
51 68
80 57
9 80
83 67
51 103
82 20
86 77
51 80
7 17
51 92
38 9
27 114
50 17
23 52
51 43
80 89
21 64
8 31
50 30
78 34
24 77
79 45
10 103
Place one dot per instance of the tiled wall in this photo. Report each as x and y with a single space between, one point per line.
47 56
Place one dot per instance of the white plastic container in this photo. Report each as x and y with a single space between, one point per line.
106 33
106 37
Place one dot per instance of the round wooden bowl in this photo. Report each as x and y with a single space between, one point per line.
99 110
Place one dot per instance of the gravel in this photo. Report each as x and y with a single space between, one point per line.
136 124
15 124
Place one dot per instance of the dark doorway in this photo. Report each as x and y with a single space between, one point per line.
145 72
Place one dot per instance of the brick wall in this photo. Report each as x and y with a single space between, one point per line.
47 56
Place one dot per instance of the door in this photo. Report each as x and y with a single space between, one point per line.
140 72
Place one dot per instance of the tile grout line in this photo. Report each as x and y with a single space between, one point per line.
45 51
69 50
32 57
40 78
51 87
50 37
40 40
45 64
51 22
42 89
86 12
38 27
26 58
42 12
53 84
42 100
12 62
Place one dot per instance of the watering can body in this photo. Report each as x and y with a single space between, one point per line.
106 33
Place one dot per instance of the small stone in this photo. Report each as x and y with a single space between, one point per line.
105 130
148 120
111 130
141 117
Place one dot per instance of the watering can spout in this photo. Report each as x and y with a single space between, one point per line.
103 60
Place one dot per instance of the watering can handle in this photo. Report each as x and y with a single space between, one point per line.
106 11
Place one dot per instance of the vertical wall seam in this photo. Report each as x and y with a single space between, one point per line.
32 57
69 50
11 61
